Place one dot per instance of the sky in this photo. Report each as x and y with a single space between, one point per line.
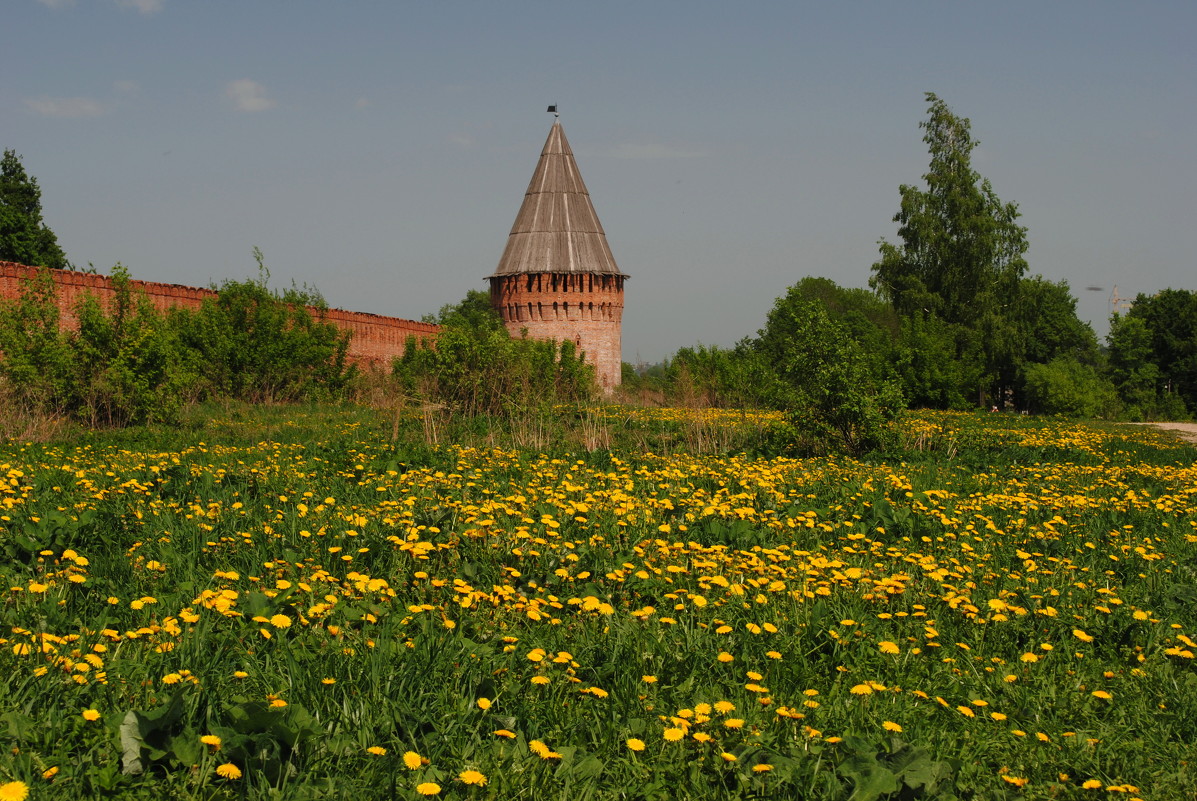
379 151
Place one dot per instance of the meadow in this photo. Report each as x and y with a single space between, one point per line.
307 606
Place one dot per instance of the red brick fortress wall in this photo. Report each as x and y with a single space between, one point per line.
375 339
586 308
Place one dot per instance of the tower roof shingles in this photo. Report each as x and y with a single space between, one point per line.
556 230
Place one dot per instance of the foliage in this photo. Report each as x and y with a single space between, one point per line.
1165 339
475 367
24 237
127 363
1004 611
1067 387
257 344
961 252
825 381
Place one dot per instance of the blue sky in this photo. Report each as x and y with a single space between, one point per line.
380 150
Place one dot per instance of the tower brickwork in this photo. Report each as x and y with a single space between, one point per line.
557 278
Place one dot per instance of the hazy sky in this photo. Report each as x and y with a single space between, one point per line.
380 150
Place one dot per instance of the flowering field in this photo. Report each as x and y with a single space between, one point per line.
1010 612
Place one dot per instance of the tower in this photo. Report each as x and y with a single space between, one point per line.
557 278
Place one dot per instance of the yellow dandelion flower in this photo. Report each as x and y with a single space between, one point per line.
1092 784
211 740
228 771
376 750
726 757
510 735
1017 781
1102 694
702 737
773 654
966 711
889 725
328 680
634 744
412 760
1029 657
50 773
91 715
428 788
540 680
674 734
734 723
724 656
648 679
762 768
484 704
14 791
861 689
887 647
475 777
280 621
1082 636
723 707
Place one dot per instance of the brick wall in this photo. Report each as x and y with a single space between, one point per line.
586 308
376 339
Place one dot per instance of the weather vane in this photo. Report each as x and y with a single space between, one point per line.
553 110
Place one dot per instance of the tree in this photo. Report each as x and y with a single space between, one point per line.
961 256
824 381
24 237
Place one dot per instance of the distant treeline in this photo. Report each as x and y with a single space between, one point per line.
1052 362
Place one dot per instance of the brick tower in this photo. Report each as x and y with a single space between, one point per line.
557 278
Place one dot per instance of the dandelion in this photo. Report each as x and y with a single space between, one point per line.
762 768
484 704
475 777
540 680
887 647
328 681
723 707
228 771
212 741
674 734
91 715
1017 781
702 737
1102 694
1029 657
726 757
1082 636
171 678
1092 784
280 621
634 744
889 725
724 656
50 773
14 791
966 711
428 788
510 735
734 723
649 679
376 750
861 689
412 760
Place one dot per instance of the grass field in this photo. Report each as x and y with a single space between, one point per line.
301 607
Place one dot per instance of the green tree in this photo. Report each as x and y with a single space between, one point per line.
824 380
961 252
1170 317
24 237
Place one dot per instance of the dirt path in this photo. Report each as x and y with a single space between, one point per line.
1187 431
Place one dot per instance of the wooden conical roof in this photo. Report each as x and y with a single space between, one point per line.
556 230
